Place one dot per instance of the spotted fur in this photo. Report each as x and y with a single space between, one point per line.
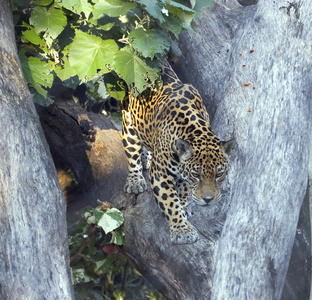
187 158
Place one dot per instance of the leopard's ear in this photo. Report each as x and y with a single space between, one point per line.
183 149
228 146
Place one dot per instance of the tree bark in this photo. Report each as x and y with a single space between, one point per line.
267 179
34 258
150 250
269 169
178 272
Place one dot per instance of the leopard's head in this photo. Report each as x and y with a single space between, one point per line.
204 166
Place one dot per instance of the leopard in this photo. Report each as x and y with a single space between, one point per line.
169 131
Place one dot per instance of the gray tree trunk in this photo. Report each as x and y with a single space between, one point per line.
179 272
269 169
34 259
268 173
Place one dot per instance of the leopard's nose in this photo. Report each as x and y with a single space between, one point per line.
208 199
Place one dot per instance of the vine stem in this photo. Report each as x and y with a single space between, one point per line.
85 243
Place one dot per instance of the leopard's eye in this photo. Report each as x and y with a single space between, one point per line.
220 172
195 175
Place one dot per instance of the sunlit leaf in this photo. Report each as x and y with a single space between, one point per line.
32 36
77 6
50 21
106 27
148 42
185 13
112 8
89 54
111 220
114 86
41 2
64 70
37 73
154 8
133 69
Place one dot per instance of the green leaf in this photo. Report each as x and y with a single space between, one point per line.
172 24
148 42
32 36
111 220
103 23
77 6
41 2
106 27
98 214
37 73
130 67
112 8
185 13
154 8
88 55
114 86
104 264
39 98
65 71
51 22
79 275
118 236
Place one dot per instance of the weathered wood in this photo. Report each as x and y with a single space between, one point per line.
150 250
147 241
89 145
183 272
268 171
33 237
268 175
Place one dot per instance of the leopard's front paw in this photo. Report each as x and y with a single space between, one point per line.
135 184
186 234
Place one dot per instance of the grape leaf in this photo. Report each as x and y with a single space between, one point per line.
51 22
185 13
148 42
64 70
32 36
41 2
106 27
77 6
130 67
112 8
111 220
88 54
172 24
40 99
114 86
37 73
154 8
